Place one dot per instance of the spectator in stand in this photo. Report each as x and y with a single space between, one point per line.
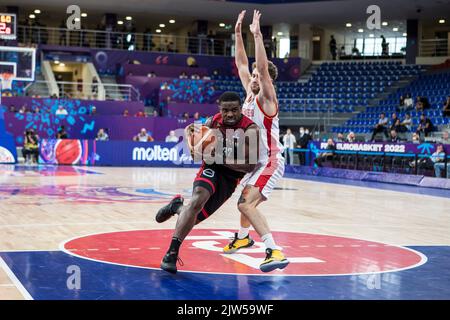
308 134
289 143
394 136
12 109
170 47
94 88
165 86
302 142
185 116
422 103
333 48
351 137
62 133
172 137
93 111
407 122
30 147
431 161
140 114
446 109
445 138
438 159
394 120
380 127
340 137
23 109
125 113
143 136
151 74
326 155
183 75
398 127
102 135
155 113
384 46
36 110
61 111
401 103
196 116
408 102
425 126
415 138
195 76
419 104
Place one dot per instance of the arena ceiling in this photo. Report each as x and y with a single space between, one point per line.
319 12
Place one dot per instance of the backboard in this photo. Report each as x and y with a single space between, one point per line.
20 61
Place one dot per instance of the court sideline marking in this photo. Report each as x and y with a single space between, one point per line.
15 281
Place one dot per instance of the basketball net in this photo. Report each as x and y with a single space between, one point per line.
6 81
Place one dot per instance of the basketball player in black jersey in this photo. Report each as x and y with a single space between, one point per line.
214 183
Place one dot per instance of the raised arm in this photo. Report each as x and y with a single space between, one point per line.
240 56
267 94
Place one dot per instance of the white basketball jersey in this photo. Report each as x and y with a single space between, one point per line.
271 148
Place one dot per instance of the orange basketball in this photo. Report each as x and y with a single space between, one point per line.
202 138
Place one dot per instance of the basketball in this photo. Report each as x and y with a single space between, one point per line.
68 151
201 139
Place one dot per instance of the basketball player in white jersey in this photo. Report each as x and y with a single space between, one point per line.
261 106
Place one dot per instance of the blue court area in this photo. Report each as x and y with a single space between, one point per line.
44 274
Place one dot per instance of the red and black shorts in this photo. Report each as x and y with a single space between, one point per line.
221 182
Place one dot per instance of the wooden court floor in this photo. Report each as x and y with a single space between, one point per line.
43 207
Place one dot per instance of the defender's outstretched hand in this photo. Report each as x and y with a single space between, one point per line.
254 27
238 26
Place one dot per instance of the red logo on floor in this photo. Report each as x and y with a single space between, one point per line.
309 254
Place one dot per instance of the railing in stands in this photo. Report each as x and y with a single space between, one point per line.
434 48
128 41
85 90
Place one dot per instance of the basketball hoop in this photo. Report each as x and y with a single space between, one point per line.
6 81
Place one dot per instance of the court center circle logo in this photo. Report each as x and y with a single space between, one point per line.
309 254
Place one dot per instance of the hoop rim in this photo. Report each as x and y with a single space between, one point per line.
6 75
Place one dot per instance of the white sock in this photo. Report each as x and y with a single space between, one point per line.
269 242
243 232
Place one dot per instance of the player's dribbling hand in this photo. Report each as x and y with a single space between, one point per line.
238 25
189 131
254 27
